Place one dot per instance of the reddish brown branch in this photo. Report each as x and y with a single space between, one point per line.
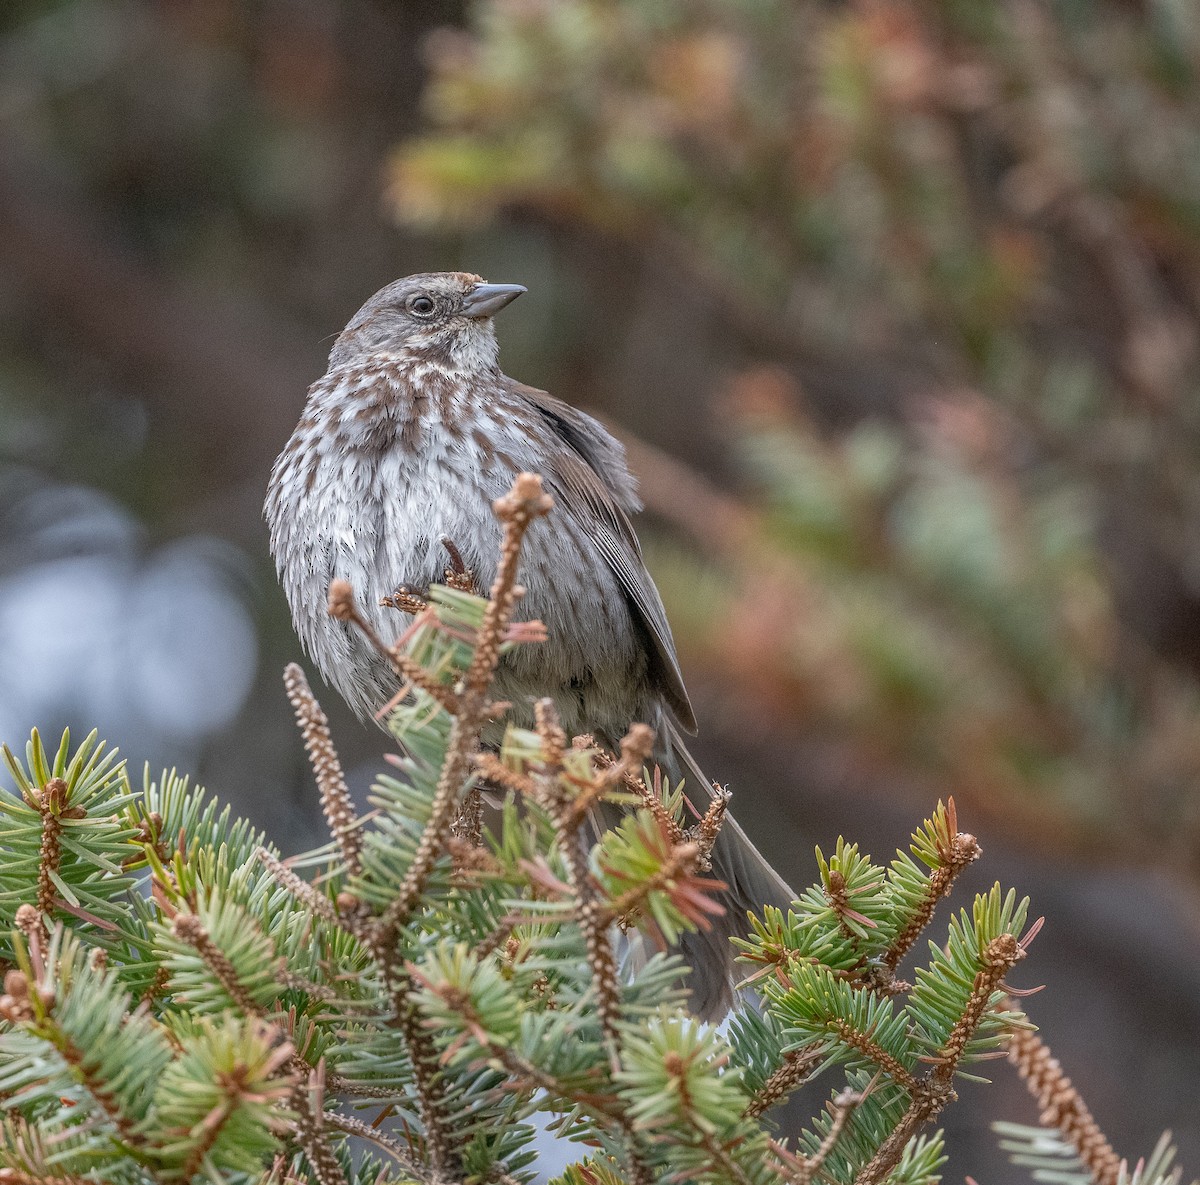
322 755
1062 1107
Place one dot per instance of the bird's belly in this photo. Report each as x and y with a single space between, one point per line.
389 532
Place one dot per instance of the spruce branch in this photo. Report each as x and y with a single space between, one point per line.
590 911
192 930
440 1141
1061 1105
50 803
875 1052
840 1110
954 850
680 863
364 1131
299 888
496 772
81 1061
795 1068
340 815
308 1102
930 1099
930 1095
626 770
1000 955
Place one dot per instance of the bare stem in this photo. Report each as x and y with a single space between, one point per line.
356 1127
308 1101
335 797
794 1070
299 888
1062 1106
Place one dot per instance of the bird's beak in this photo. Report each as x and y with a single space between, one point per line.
484 300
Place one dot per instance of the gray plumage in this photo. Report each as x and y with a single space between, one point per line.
408 437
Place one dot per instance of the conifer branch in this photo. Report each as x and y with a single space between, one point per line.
1062 1107
234 1085
50 802
299 888
840 1111
681 863
956 850
929 1101
422 1057
192 930
308 1102
1000 955
795 1068
590 911
636 747
343 607
336 803
876 1053
431 1095
45 1025
364 1131
492 768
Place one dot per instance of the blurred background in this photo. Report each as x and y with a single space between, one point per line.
895 304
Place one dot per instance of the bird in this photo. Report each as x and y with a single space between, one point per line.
404 443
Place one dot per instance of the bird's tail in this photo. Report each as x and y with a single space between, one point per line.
750 882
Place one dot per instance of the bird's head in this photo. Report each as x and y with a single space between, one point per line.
445 317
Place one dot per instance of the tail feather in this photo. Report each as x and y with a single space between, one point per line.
751 883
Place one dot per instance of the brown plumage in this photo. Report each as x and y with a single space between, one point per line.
406 440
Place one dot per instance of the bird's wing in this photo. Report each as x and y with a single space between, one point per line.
591 478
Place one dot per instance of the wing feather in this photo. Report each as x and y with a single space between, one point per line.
591 477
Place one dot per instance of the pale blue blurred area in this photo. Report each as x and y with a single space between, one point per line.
154 645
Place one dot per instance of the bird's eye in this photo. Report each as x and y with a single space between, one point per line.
421 305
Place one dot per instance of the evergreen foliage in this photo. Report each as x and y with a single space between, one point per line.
180 1005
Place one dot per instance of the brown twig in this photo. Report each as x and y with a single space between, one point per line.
311 898
343 607
356 1127
497 772
840 1109
925 1105
796 1067
322 755
590 911
1062 1107
192 930
51 803
930 1094
956 850
308 1101
525 502
880 1056
1000 955
636 746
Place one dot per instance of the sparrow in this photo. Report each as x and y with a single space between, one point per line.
405 441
